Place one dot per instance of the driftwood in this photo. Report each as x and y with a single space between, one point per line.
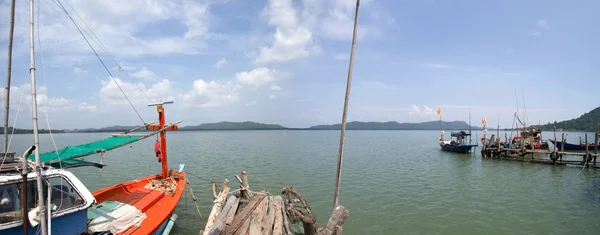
277 203
217 206
269 218
256 213
334 225
228 211
240 218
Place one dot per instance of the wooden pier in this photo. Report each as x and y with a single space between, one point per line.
495 149
243 211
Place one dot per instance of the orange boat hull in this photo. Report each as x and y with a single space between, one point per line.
157 204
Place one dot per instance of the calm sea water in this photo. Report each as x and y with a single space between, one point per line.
393 182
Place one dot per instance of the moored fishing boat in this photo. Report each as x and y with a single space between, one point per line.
575 147
65 205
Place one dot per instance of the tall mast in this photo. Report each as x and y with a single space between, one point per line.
345 112
470 124
11 30
36 141
163 136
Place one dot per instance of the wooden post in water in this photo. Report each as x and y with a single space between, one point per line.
244 190
343 131
554 129
595 146
587 151
562 146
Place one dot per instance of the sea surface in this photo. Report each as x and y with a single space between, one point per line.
393 182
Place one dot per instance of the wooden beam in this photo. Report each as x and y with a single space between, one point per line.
228 210
240 218
217 206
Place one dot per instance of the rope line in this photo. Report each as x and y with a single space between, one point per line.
98 56
101 45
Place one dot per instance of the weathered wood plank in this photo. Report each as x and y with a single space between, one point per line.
243 230
234 208
257 217
338 216
229 209
278 214
287 228
217 206
268 220
245 213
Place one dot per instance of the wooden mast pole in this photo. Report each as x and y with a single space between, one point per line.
163 136
36 141
343 131
11 30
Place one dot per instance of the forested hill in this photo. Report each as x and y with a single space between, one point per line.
432 125
589 121
234 126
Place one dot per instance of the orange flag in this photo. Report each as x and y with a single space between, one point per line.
439 111
483 121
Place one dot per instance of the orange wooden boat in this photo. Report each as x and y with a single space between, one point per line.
156 196
140 206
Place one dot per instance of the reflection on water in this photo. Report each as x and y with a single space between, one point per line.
392 181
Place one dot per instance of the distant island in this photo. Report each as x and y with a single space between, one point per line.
29 131
223 126
589 122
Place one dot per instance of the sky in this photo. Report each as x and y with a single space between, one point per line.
286 62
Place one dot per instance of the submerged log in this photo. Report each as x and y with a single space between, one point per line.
217 206
338 216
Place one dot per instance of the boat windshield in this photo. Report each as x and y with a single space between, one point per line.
63 197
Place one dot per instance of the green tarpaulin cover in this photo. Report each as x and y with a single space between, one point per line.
71 152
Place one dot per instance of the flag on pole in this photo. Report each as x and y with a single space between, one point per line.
483 121
439 111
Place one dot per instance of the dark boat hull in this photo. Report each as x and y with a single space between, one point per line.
577 147
457 148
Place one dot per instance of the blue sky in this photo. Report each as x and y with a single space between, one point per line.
285 62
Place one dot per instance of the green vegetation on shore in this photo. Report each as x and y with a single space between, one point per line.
30 131
589 122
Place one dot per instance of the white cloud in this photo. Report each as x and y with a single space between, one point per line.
260 76
272 96
425 112
220 63
544 24
211 94
292 40
137 92
143 73
275 87
120 27
79 71
22 94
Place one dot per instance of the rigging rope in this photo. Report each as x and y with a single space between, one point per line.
98 56
46 86
101 45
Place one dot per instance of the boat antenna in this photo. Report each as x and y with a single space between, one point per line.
11 30
345 113
526 115
36 141
498 129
